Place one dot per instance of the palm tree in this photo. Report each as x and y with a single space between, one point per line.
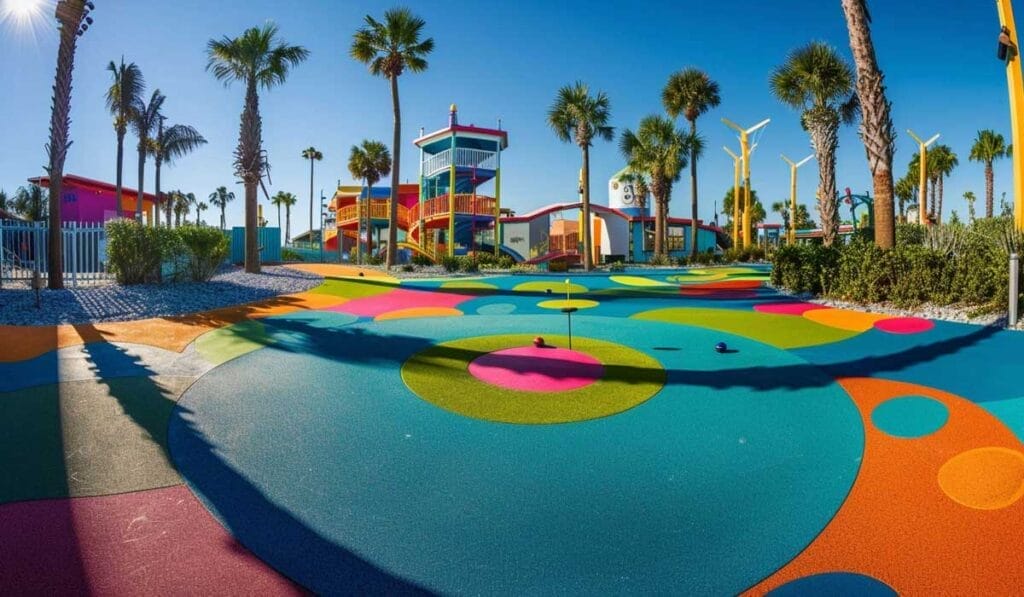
757 211
577 117
905 189
988 147
201 206
3 200
818 82
29 203
257 59
876 130
691 92
220 199
277 201
168 145
970 198
124 93
147 119
288 200
313 155
368 162
389 48
659 150
72 15
945 161
182 202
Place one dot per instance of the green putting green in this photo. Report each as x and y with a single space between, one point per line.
781 331
555 285
224 344
353 288
440 376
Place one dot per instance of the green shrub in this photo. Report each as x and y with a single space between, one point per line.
506 262
421 260
559 266
617 267
660 260
450 264
469 264
290 255
203 250
408 267
523 268
135 252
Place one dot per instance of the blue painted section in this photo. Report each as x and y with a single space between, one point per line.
835 584
269 242
574 508
910 416
1010 412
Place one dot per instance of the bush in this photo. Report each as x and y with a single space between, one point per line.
408 267
450 264
660 260
469 264
290 255
203 251
523 268
421 260
558 266
135 252
506 262
617 267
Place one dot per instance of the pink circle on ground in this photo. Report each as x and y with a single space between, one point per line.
904 325
533 369
788 308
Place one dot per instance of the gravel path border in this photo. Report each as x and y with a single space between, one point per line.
113 302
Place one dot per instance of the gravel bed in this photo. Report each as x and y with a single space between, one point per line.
113 302
938 312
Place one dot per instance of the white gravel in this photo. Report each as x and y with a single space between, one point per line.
113 302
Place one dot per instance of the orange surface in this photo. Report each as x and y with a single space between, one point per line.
170 333
845 319
900 527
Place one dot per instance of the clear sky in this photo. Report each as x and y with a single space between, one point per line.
505 59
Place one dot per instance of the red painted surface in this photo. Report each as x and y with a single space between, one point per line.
904 325
400 298
157 542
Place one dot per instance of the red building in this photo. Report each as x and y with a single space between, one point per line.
89 201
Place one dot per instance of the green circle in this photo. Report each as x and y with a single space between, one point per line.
910 416
555 286
440 375
562 304
468 285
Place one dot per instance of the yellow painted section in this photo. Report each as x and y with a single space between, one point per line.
417 312
1015 83
922 206
638 281
736 203
562 304
988 478
745 146
497 212
451 210
843 319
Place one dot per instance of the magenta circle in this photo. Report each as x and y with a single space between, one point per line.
535 369
904 325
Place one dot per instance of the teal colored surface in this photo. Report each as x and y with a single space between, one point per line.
707 488
910 416
269 242
1010 412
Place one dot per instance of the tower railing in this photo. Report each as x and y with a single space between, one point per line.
465 157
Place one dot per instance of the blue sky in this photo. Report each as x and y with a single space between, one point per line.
505 59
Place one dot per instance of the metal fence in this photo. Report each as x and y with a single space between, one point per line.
23 252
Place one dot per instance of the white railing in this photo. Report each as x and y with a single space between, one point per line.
464 158
23 252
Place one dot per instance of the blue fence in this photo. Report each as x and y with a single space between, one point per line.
269 242
315 256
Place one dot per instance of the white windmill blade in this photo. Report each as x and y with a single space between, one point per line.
758 125
805 160
932 140
732 125
915 137
731 154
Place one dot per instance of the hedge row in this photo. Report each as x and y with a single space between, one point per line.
137 253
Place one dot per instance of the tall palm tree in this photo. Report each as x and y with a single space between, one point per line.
277 201
168 145
945 161
73 16
220 199
988 147
578 117
691 92
818 82
124 94
368 162
313 155
659 150
876 129
288 200
391 47
970 198
201 206
757 211
182 205
257 59
147 119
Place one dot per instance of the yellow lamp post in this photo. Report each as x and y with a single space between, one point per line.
793 167
1015 82
745 154
736 161
922 205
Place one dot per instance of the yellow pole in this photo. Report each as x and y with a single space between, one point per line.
1015 83
497 212
735 196
451 208
793 167
922 205
745 148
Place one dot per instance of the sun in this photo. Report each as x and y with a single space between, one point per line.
28 17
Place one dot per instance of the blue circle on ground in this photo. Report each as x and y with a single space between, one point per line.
496 309
836 584
910 416
330 469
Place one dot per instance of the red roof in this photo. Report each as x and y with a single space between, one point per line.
89 183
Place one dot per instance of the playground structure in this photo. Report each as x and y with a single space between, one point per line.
446 214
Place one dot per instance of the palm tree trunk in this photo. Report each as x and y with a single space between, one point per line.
142 176
156 207
222 222
279 222
60 125
310 201
938 211
989 191
588 253
932 213
250 166
168 208
396 147
197 215
693 191
876 130
120 171
288 224
824 128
